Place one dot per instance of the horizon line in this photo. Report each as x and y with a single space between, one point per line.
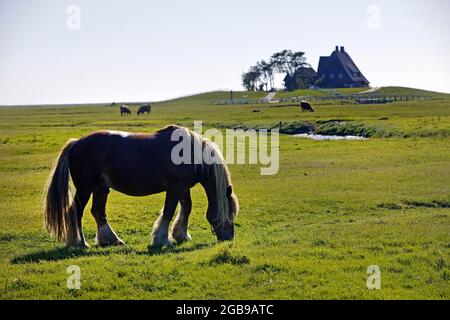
176 97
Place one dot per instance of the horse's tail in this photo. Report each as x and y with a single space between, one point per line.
60 214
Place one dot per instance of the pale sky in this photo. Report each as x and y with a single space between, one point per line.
151 50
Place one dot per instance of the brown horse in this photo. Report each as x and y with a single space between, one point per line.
137 164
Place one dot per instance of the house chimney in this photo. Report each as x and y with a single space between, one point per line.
342 49
337 48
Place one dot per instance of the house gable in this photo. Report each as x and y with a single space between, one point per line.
339 70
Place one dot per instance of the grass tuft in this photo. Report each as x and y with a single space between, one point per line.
224 256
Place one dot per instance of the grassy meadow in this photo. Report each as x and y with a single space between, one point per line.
309 232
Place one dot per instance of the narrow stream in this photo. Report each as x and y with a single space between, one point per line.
320 137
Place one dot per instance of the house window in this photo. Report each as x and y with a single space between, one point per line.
331 75
340 76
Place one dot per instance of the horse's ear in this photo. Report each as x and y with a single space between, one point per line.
229 191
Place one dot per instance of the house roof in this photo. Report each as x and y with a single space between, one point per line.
307 70
344 59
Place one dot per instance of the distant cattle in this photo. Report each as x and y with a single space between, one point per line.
124 110
145 108
306 106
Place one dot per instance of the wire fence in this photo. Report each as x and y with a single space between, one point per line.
341 98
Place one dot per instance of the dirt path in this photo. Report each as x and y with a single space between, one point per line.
371 90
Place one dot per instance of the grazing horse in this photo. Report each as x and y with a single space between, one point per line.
145 108
306 106
124 110
138 164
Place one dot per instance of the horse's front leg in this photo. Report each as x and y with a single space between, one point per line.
179 230
160 233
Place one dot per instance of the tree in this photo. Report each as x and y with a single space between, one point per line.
292 63
251 78
266 71
247 81
288 61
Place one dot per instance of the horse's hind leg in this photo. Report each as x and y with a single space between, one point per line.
160 233
105 234
80 200
180 226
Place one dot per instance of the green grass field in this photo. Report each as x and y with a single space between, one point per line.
309 232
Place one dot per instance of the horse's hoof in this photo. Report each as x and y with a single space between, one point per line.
162 243
81 245
180 238
107 237
118 242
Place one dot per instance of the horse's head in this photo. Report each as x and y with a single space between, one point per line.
222 222
223 205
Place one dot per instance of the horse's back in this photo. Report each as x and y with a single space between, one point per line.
132 163
105 142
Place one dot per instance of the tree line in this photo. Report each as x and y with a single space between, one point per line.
299 73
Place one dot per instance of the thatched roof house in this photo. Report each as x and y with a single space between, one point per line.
339 71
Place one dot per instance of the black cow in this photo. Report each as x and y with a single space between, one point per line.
145 108
306 106
124 110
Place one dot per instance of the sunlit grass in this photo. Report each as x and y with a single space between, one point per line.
311 231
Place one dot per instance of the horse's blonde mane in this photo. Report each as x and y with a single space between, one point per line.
213 165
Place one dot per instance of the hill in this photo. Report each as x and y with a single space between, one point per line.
404 91
400 91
